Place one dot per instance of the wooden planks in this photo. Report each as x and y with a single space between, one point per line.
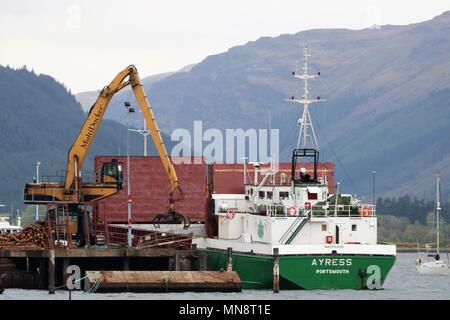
163 281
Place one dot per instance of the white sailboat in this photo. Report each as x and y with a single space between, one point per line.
435 266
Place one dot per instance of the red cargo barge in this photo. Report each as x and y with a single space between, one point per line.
150 186
150 190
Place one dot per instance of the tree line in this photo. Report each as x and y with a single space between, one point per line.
412 208
411 220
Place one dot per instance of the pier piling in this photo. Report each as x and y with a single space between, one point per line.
51 271
276 271
177 262
203 261
230 259
126 263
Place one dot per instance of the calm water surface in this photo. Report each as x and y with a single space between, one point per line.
403 282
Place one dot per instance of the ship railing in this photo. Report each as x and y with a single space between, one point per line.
117 235
275 210
30 195
60 177
357 210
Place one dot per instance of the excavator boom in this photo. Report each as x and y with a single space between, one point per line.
80 147
149 117
73 190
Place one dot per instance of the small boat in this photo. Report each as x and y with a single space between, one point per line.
6 227
434 265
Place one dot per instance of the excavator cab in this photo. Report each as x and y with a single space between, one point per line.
112 173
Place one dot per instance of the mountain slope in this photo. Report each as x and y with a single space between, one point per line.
87 98
387 92
39 120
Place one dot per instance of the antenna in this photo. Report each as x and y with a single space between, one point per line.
438 209
307 139
144 132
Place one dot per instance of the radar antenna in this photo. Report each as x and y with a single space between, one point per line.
306 136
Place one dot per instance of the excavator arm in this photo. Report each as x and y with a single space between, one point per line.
146 109
80 147
72 189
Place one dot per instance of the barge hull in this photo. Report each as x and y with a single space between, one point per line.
163 281
306 271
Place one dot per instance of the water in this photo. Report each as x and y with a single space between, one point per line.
403 282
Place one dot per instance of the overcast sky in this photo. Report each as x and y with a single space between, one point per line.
85 43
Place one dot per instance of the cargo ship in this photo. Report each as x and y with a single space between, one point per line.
313 238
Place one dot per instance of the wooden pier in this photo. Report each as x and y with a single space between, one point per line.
34 268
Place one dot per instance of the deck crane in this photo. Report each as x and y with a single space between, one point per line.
72 190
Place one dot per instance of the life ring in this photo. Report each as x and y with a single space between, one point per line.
291 211
307 205
230 214
365 211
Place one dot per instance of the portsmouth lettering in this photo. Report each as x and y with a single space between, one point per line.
332 271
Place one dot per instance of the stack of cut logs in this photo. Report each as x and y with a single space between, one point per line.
34 235
165 240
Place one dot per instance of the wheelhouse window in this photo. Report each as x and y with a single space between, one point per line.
324 227
261 194
354 227
269 195
284 195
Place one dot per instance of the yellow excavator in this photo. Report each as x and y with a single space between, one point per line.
72 190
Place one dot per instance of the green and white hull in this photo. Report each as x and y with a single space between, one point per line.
332 270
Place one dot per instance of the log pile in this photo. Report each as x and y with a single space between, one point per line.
34 235
157 239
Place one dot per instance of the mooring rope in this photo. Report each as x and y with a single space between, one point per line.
95 285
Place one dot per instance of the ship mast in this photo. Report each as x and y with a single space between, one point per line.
306 136
438 209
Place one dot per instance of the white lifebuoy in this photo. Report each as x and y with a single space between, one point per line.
230 214
292 211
